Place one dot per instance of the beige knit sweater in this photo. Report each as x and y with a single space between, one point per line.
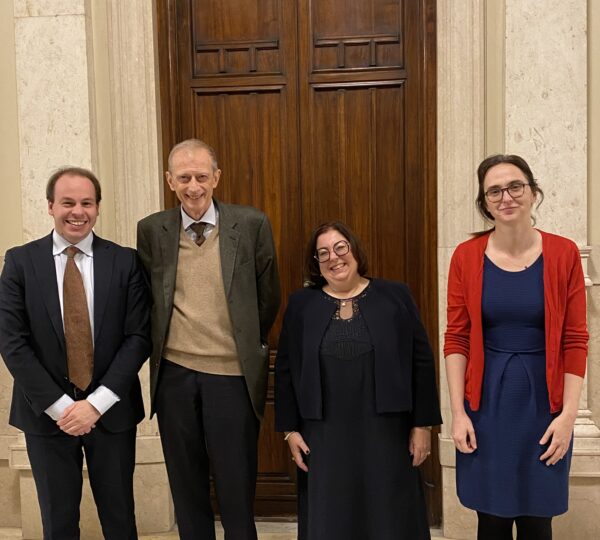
200 334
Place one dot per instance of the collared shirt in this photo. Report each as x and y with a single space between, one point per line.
210 217
102 398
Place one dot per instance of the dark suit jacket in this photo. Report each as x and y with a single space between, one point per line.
404 366
250 277
32 341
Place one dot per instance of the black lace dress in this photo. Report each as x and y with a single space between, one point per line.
361 484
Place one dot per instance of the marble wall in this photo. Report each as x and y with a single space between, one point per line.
536 102
10 234
10 201
594 198
53 98
546 105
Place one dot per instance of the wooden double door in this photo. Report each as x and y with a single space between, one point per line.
318 110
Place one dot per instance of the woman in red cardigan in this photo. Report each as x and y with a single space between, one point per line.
515 348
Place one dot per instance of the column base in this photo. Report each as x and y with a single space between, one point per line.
154 508
580 522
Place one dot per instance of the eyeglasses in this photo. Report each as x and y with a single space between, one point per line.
515 190
339 248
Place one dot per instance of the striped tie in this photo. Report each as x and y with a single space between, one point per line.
198 228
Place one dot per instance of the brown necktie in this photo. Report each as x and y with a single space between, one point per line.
78 332
198 228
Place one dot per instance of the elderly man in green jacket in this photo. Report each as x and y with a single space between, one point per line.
215 287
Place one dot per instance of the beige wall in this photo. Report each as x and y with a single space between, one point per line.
10 194
594 122
10 234
594 203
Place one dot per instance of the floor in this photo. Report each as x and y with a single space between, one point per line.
266 531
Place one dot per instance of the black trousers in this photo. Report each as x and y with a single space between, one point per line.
492 527
208 419
56 464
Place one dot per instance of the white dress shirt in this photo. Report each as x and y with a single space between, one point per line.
210 217
102 398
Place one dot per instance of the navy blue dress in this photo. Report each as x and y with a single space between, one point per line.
361 484
504 476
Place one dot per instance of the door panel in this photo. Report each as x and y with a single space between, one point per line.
348 177
318 110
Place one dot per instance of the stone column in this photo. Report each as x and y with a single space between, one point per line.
10 235
127 86
460 140
546 121
127 109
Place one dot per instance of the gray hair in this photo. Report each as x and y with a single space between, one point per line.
194 144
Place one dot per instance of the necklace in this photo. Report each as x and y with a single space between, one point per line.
351 294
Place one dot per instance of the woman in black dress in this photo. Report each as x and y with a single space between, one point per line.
355 395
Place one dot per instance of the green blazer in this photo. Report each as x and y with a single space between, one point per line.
250 277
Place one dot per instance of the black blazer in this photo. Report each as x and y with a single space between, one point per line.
32 341
404 365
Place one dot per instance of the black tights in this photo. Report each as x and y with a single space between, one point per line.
528 527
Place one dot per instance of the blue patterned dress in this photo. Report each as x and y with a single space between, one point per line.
504 476
361 484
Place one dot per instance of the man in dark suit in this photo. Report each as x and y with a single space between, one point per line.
74 332
216 293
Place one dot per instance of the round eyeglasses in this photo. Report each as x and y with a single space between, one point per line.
515 190
339 248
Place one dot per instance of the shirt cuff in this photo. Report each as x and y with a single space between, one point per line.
103 399
56 410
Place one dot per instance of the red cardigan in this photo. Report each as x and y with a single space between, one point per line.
564 309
